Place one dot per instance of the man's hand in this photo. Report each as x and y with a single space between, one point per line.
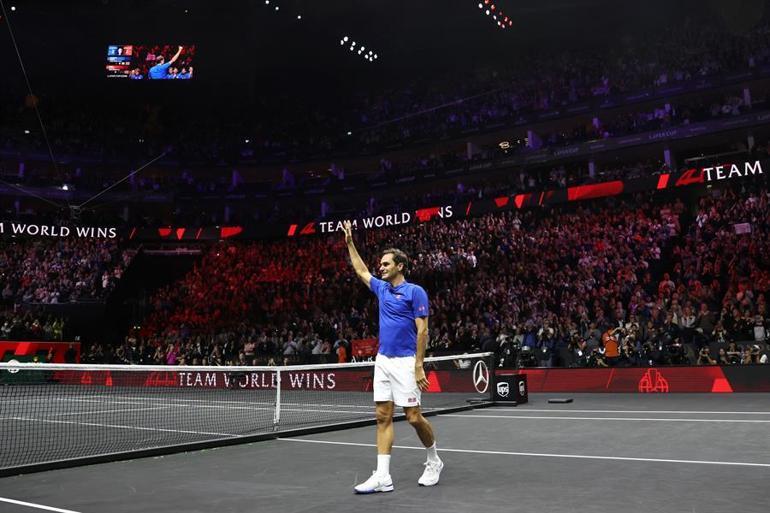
419 375
347 227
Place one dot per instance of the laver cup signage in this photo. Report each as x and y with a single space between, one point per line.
511 387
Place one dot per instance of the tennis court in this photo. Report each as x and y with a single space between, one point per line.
603 453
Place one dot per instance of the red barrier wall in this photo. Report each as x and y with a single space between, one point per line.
346 380
742 378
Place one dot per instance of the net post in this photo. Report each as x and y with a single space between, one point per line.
277 413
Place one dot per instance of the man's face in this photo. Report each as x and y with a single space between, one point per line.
388 268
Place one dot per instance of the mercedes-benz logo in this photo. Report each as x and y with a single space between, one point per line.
481 376
11 369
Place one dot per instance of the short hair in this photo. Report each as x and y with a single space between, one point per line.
399 257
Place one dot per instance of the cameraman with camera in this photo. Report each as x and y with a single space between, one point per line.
704 356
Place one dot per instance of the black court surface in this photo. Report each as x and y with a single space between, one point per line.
601 453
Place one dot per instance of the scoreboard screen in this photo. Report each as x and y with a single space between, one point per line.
150 62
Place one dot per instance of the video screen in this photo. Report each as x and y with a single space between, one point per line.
151 62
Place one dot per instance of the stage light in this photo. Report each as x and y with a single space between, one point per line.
363 48
342 42
13 7
345 39
353 43
487 12
481 6
267 2
492 7
26 132
247 141
350 133
375 55
352 48
510 23
277 8
494 17
299 16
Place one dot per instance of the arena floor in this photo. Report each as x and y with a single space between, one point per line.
601 453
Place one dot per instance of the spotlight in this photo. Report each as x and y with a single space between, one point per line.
350 133
494 16
481 6
267 2
247 141
486 12
342 42
363 48
353 43
352 48
25 131
345 39
299 16
375 55
277 8
13 7
492 7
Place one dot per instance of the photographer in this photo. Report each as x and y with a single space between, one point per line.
733 353
611 345
629 357
704 357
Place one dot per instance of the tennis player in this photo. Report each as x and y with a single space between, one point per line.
160 70
399 377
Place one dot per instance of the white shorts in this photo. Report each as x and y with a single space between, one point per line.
394 381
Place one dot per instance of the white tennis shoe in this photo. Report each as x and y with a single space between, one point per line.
431 474
374 484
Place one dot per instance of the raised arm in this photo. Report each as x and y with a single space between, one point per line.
176 56
355 259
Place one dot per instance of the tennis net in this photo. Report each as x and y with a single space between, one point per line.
56 415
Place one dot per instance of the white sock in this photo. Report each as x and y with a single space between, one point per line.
432 454
383 464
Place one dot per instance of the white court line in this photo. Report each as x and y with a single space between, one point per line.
92 412
209 402
541 455
37 506
673 412
622 419
118 426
